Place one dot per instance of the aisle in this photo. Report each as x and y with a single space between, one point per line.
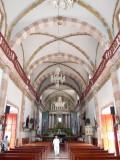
62 156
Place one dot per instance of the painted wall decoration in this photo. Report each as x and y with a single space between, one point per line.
45 122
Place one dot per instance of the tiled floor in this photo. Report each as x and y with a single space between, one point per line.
62 156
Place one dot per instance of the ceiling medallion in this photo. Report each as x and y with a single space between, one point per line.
61 3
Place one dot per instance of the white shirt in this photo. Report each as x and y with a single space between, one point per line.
56 142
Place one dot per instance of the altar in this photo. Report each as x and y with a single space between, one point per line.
61 135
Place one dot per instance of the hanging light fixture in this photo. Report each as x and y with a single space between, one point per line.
57 77
61 3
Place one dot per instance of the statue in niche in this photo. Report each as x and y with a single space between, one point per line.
66 106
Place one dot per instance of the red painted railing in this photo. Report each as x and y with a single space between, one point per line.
13 58
106 57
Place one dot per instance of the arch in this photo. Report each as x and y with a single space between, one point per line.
49 85
52 57
65 21
41 80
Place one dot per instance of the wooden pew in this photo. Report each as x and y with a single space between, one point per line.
40 148
87 151
83 151
33 155
97 157
27 151
47 146
31 151
17 158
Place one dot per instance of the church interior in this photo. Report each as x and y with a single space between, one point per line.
60 76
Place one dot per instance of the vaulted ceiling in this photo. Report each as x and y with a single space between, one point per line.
75 39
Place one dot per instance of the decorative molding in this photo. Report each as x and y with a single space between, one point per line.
113 17
21 15
54 40
5 17
98 15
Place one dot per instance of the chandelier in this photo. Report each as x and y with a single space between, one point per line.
59 104
61 3
57 78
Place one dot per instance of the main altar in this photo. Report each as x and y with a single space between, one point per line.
62 132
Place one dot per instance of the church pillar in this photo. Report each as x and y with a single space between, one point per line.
22 117
50 121
66 120
4 86
97 119
116 94
3 94
116 88
69 121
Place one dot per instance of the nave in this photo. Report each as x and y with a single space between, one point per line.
62 156
70 150
60 73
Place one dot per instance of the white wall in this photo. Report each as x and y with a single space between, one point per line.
14 95
28 105
91 111
105 95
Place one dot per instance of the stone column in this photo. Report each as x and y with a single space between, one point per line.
22 120
3 94
69 121
98 122
116 93
3 89
66 120
55 120
116 88
50 121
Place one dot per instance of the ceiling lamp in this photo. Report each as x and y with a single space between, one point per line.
57 78
61 3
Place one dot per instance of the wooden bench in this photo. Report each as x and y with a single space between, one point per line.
17 158
27 151
45 145
97 158
33 155
83 151
76 156
30 149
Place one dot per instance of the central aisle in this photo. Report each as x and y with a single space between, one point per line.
62 156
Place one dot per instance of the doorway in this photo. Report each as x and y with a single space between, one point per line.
10 125
10 129
109 133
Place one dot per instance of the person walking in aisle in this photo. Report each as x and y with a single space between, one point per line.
5 144
56 143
